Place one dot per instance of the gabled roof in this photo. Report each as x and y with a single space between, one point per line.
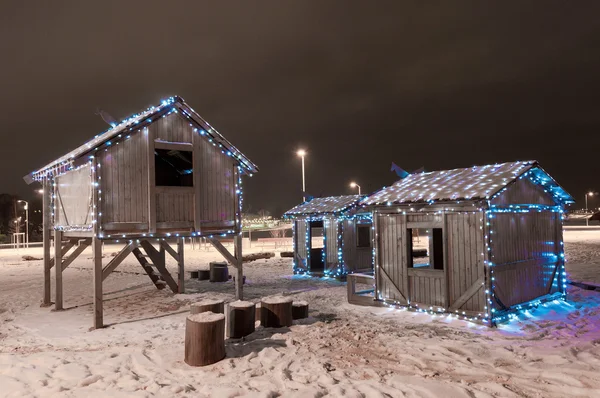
328 205
142 119
471 183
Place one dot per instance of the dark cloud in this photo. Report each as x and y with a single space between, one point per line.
359 84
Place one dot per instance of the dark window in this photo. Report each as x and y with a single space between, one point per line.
363 235
426 248
173 168
316 234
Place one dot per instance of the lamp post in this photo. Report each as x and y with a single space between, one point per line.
26 221
354 185
587 220
302 153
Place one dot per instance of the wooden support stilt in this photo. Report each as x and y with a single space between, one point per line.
118 259
46 241
58 294
224 252
239 270
181 265
97 279
82 246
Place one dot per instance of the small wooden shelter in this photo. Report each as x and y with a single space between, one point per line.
164 173
332 236
494 240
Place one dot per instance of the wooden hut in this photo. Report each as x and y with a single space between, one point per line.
164 173
493 234
332 236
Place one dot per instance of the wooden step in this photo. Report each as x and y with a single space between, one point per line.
149 268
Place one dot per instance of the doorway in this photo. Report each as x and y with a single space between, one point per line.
317 246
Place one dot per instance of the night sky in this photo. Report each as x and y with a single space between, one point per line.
358 84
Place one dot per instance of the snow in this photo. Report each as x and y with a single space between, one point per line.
341 350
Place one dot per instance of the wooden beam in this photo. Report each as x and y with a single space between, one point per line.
46 241
224 252
64 249
392 284
118 259
239 269
151 180
180 263
158 261
58 294
82 246
467 294
175 190
173 146
165 245
97 279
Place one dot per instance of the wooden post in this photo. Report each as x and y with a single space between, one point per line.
204 338
239 269
58 294
97 279
151 181
180 263
299 310
46 240
241 319
276 312
216 306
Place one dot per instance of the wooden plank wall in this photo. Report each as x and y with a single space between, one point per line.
392 258
427 287
524 249
355 258
330 229
73 198
124 181
175 206
465 245
523 191
172 128
215 186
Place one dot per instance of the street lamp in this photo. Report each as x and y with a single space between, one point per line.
302 153
354 185
587 220
26 221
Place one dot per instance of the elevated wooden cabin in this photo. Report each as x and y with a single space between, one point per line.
332 236
162 173
495 240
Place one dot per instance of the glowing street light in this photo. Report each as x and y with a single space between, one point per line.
302 153
587 220
354 185
26 221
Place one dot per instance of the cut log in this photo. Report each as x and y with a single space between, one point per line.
241 319
194 274
299 310
276 312
203 274
257 256
219 272
204 338
286 254
216 306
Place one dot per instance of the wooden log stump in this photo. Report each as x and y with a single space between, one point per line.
286 254
219 272
257 256
216 306
241 319
276 312
299 310
194 274
204 338
203 274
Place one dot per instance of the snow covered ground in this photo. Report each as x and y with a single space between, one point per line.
341 350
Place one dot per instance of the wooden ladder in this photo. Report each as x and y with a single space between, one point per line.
152 272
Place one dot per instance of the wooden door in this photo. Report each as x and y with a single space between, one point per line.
392 276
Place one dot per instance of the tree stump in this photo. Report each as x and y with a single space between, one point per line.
276 312
258 307
194 274
203 274
286 254
299 310
219 272
204 338
216 306
241 319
